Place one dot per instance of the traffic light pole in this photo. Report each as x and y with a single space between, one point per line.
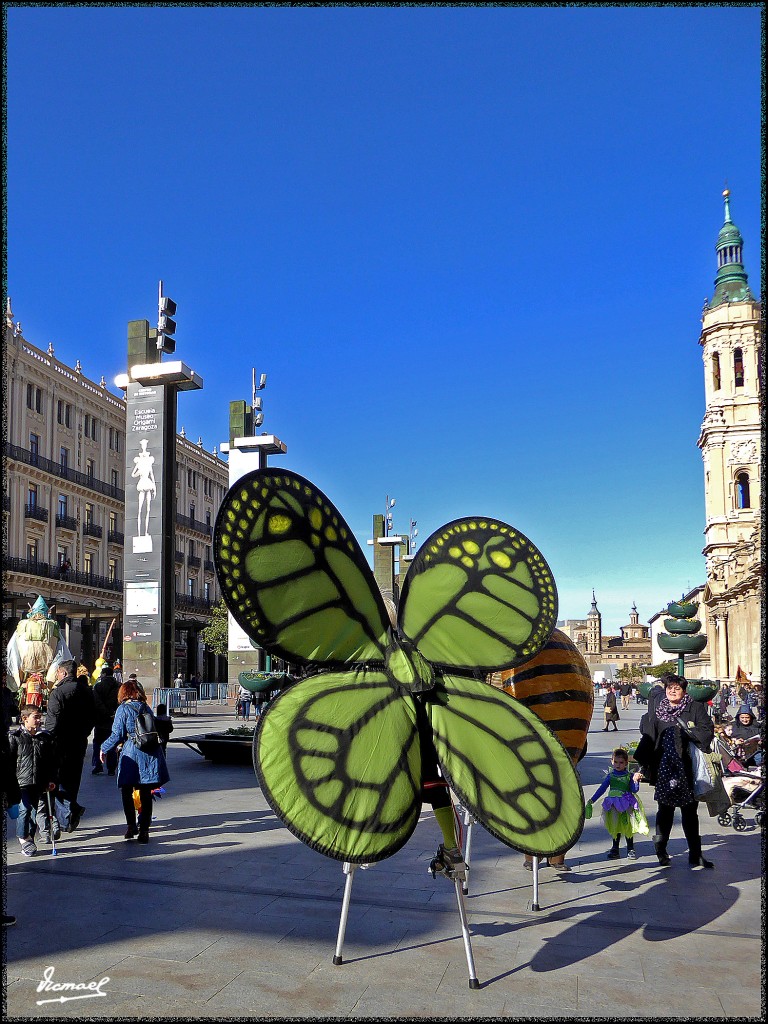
151 388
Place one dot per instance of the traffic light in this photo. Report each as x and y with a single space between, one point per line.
166 326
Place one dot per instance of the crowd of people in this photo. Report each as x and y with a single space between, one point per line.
45 744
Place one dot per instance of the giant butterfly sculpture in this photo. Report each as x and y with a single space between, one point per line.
338 754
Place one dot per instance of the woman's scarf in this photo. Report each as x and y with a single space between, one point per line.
667 712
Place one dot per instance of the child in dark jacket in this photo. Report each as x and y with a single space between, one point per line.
33 756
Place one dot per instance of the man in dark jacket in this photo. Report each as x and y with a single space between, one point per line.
11 795
70 718
105 701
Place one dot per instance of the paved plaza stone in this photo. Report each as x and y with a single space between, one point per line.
226 915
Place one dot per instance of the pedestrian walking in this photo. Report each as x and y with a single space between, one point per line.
668 729
11 796
70 718
625 692
105 702
137 769
622 813
10 706
34 764
164 725
244 698
610 710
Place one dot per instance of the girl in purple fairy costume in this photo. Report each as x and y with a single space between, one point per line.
623 814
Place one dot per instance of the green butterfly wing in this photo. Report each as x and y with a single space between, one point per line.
478 596
294 576
338 760
506 767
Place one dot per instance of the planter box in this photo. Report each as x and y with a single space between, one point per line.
219 748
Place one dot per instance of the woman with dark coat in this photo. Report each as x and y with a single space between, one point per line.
745 728
664 757
136 769
610 711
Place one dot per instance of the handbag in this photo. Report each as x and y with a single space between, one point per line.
702 779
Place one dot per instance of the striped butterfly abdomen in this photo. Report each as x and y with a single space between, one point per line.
557 686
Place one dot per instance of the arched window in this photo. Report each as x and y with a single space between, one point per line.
742 491
715 371
738 368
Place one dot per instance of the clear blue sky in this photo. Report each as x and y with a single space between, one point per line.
469 247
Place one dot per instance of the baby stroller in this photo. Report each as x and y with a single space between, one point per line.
745 787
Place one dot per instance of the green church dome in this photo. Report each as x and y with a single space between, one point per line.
731 281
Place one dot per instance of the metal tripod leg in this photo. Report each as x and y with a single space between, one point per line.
469 821
349 871
535 904
52 822
473 982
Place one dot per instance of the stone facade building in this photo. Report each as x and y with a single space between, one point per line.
630 649
730 442
63 508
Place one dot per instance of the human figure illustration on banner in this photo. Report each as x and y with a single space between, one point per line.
145 485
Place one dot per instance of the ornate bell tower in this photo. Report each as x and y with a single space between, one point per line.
594 628
731 342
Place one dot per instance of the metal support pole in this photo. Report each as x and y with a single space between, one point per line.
535 903
469 821
473 982
349 871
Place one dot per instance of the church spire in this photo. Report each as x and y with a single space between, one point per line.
731 281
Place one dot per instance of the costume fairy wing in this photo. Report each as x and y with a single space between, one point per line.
338 760
294 576
506 767
478 596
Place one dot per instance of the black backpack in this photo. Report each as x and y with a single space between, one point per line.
145 731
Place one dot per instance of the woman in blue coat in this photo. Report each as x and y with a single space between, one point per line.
136 769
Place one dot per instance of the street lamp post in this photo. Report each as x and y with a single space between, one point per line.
247 451
388 506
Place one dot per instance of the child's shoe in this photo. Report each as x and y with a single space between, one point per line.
631 855
28 848
449 863
613 854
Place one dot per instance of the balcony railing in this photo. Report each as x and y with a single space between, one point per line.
208 565
115 537
193 561
13 451
6 503
186 603
179 558
92 530
53 572
35 512
66 522
193 524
